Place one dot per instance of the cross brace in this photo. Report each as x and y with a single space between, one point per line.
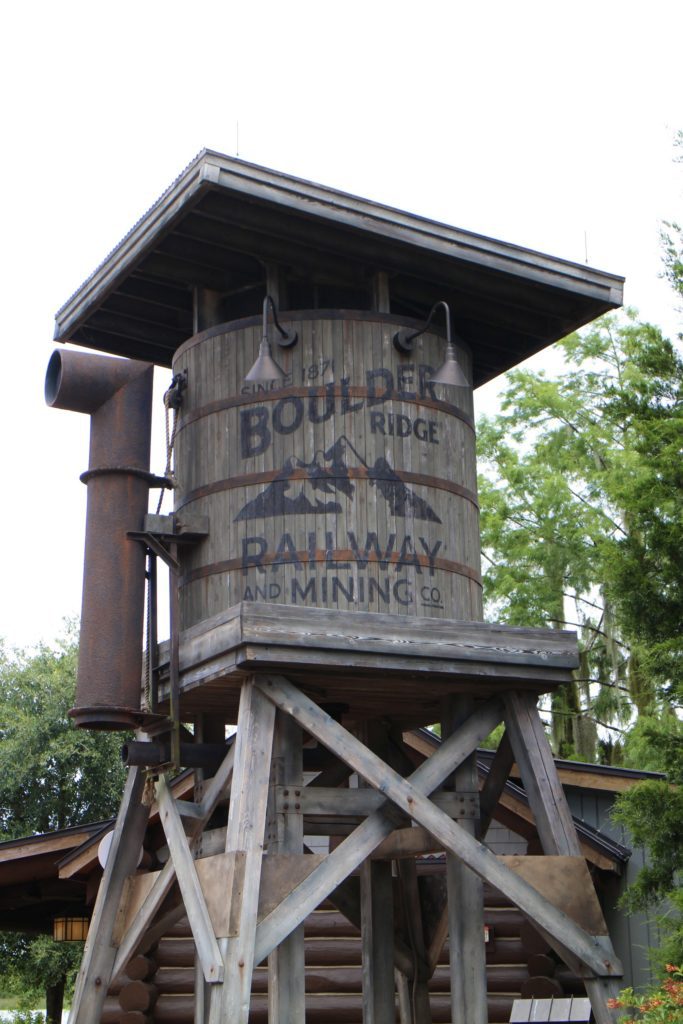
227 962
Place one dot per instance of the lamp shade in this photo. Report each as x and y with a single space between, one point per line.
265 368
451 372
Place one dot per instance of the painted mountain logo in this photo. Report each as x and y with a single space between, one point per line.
315 487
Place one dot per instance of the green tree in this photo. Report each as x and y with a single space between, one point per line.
52 776
582 525
582 522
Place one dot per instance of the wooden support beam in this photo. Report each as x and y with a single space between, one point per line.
201 994
539 775
412 906
494 784
435 907
215 790
557 833
381 297
246 828
377 937
209 728
465 895
99 954
412 801
286 967
305 897
193 897
355 803
377 913
405 1012
332 775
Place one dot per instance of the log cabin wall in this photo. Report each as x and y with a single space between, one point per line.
334 973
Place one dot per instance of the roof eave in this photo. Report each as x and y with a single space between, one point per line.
211 170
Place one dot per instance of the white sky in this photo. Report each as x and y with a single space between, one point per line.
534 122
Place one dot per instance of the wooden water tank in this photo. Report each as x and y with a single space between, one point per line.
351 485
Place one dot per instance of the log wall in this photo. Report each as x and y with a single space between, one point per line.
162 991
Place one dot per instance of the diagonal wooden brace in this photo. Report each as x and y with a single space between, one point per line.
410 799
217 788
304 898
99 954
245 833
197 912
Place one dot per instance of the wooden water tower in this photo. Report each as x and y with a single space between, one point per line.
325 587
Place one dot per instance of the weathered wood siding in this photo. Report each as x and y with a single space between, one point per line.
352 486
632 935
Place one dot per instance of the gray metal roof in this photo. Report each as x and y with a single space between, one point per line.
223 221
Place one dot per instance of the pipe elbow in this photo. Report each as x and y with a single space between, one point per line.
82 382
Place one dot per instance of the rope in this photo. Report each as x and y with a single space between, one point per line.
170 402
148 634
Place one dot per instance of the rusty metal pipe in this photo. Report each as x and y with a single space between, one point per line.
149 754
117 393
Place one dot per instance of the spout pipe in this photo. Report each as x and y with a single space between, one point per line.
117 394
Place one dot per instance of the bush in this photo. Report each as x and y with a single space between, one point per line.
662 1005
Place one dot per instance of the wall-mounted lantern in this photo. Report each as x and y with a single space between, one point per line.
265 369
450 372
70 929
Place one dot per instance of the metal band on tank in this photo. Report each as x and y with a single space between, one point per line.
330 391
354 473
339 555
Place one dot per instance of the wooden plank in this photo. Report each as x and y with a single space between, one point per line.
377 932
369 667
331 776
541 784
377 914
600 990
215 791
135 891
410 800
435 904
221 876
286 967
201 994
405 843
412 906
494 784
354 803
341 862
556 830
246 827
566 883
405 1012
99 952
190 887
465 896
420 636
135 930
412 638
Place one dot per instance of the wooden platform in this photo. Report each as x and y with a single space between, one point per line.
372 664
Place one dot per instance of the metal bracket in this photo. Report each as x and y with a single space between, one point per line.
161 536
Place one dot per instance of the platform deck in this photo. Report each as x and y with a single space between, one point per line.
373 664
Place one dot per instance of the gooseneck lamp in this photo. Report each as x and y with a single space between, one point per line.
265 369
450 372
